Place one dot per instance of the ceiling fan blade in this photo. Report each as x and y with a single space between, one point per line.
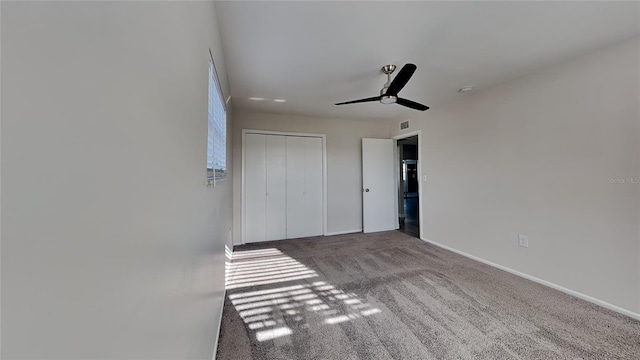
401 79
412 104
375 98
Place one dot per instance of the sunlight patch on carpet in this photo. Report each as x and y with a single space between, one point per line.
266 311
262 267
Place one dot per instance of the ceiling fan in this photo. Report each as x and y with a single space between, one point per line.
390 90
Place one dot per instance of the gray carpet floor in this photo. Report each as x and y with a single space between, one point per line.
390 296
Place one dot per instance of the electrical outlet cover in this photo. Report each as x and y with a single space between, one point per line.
523 241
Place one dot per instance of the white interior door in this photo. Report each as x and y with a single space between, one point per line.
378 185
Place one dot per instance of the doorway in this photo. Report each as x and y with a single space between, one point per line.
408 186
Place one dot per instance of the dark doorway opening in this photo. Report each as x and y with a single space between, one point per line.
408 193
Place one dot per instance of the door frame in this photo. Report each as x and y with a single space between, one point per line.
420 179
324 173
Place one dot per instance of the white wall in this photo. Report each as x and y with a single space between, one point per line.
112 245
344 162
534 156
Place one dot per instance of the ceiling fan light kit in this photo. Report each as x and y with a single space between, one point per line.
390 90
388 99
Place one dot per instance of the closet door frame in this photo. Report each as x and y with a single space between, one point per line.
323 137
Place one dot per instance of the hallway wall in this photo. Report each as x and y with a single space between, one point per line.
112 245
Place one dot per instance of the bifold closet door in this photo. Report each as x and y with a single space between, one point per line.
283 188
304 186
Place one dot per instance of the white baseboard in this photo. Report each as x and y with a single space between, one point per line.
327 234
343 232
215 345
579 295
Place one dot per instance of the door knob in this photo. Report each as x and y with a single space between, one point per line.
366 190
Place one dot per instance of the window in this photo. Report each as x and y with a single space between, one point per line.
217 124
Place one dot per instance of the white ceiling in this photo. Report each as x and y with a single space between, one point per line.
314 54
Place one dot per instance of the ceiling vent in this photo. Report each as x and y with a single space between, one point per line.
404 125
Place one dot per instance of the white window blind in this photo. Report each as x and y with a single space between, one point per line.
217 124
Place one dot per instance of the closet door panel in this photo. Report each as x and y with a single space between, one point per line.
304 187
296 218
255 188
276 190
313 181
